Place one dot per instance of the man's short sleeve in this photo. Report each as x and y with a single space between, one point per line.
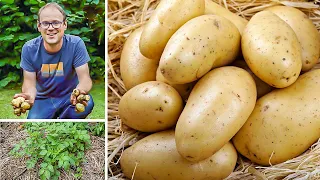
26 63
81 54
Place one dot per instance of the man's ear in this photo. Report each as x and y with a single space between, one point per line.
65 24
38 26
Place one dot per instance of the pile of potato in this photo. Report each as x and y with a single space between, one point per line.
20 105
208 84
82 100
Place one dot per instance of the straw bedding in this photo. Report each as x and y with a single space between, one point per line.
124 16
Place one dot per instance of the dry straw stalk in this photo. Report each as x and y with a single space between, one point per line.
124 16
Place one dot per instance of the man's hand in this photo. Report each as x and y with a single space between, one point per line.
75 94
28 98
21 103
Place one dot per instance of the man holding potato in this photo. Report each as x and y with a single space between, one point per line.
54 64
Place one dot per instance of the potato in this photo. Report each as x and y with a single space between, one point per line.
201 44
262 87
183 89
134 67
306 32
213 8
272 50
156 157
284 123
218 106
151 106
168 17
80 107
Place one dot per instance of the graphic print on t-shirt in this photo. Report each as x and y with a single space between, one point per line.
49 70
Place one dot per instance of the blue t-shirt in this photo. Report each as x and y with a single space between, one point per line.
55 73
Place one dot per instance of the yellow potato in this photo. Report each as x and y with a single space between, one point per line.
156 157
306 32
272 50
151 106
284 123
201 44
218 106
214 8
183 89
134 67
168 17
262 87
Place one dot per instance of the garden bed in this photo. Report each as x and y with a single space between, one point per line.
15 168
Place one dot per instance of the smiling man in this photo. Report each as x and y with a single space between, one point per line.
53 65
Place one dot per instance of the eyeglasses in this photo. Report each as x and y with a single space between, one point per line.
46 24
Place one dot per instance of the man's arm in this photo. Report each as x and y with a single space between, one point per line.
85 82
29 90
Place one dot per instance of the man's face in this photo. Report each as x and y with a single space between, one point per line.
53 18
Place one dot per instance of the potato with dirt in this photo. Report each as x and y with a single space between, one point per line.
306 32
284 123
214 8
203 43
262 87
218 106
168 17
156 157
81 100
134 67
150 107
20 105
271 49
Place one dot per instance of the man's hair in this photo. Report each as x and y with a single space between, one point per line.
52 4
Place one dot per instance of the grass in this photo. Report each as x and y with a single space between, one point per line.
97 92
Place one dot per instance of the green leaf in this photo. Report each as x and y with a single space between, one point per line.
50 167
85 30
42 177
65 158
17 14
34 2
74 32
47 174
16 147
85 39
29 141
6 38
41 171
43 165
77 175
66 165
55 177
60 147
8 1
72 162
60 163
81 13
43 152
14 28
51 138
43 146
82 147
31 163
95 2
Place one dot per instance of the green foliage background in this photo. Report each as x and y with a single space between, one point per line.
18 24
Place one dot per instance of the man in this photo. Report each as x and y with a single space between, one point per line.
53 65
